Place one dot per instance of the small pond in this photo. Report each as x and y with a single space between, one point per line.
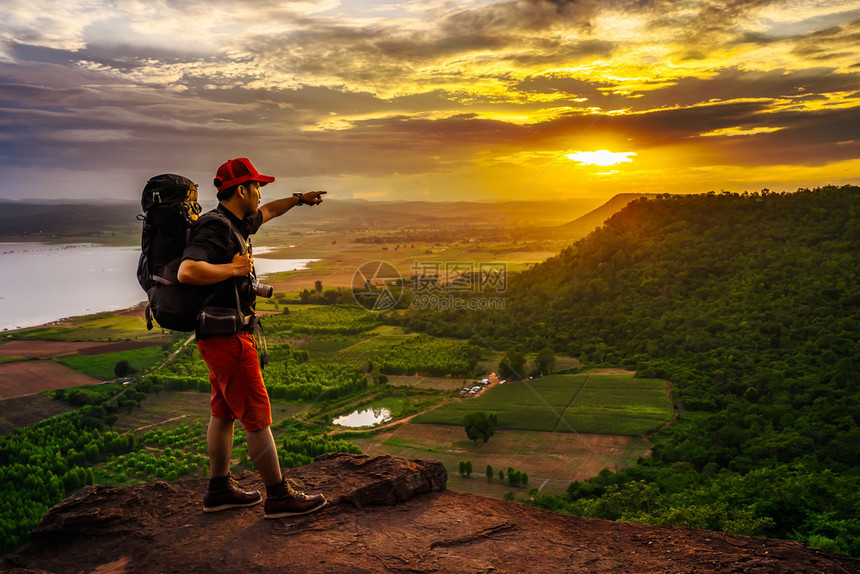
363 418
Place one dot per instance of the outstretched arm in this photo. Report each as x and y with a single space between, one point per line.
279 207
205 273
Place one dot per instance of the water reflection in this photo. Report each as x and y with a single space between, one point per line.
365 418
40 282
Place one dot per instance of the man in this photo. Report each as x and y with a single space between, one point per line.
214 261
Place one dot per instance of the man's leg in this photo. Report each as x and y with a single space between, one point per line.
219 438
224 492
284 497
262 451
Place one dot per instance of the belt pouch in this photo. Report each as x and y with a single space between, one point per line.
219 321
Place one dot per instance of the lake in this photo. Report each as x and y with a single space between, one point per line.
363 418
41 283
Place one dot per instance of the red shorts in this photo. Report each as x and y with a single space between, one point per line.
238 391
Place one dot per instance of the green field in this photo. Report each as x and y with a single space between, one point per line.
582 403
98 327
102 366
622 404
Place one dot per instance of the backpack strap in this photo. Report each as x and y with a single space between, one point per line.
243 249
209 215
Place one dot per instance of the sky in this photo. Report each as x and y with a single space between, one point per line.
438 100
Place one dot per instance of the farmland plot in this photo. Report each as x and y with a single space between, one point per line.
529 405
584 403
552 460
618 404
31 377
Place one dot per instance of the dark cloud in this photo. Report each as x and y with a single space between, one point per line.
546 13
804 138
829 43
422 99
553 52
560 84
809 139
733 83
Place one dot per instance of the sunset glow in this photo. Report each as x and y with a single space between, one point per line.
601 157
442 100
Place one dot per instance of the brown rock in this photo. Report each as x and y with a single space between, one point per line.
387 515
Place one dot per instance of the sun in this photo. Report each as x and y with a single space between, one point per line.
601 157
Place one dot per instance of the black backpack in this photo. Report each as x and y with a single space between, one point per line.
170 209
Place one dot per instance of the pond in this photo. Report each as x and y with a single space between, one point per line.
364 418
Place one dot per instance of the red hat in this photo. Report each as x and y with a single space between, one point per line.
235 171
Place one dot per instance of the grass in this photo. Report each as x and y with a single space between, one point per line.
530 405
102 366
317 319
170 409
326 345
619 404
99 327
365 349
25 411
443 384
352 349
551 459
584 403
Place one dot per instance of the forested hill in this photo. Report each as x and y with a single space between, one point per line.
750 305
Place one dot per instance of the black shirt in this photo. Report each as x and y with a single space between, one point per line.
213 241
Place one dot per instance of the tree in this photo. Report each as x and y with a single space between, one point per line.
511 367
480 425
545 361
465 468
318 286
489 472
123 369
331 296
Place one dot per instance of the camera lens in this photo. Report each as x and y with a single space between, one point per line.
261 290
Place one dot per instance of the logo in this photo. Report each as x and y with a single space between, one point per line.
377 286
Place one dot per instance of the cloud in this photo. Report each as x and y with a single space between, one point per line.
461 91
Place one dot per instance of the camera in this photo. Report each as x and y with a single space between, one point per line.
261 290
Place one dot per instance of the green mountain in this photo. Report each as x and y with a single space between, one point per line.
750 305
582 226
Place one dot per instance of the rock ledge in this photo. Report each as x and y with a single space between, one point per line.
386 515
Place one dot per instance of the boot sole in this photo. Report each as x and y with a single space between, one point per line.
285 514
229 506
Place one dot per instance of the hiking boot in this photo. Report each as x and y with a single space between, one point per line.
287 499
224 493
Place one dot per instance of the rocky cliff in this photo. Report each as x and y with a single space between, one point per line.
386 515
